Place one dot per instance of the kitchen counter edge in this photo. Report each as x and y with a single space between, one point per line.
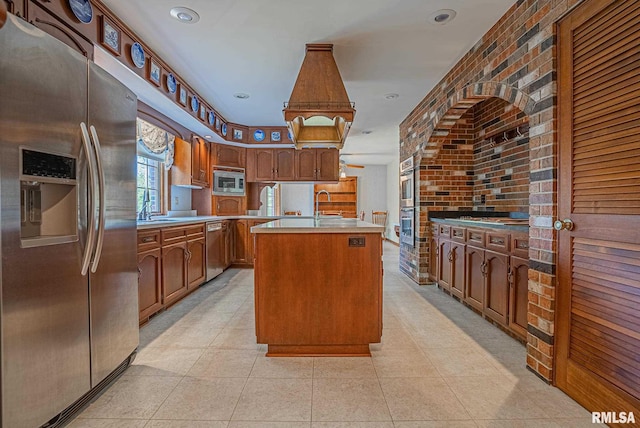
185 221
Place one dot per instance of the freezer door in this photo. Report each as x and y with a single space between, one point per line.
113 282
44 306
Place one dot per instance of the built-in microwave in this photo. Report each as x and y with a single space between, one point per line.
406 226
406 183
229 183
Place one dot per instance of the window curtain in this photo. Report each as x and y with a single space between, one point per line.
155 143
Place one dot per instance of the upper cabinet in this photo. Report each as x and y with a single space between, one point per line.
229 156
191 163
284 164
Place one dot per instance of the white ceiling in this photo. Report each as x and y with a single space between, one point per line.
257 47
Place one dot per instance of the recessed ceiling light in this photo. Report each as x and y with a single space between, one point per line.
442 16
391 96
208 137
185 15
241 96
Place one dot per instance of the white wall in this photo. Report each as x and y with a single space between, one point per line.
180 198
372 188
297 197
393 198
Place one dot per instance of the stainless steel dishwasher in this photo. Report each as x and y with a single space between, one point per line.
215 249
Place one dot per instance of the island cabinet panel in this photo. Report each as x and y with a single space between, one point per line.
229 156
174 272
311 304
496 293
149 283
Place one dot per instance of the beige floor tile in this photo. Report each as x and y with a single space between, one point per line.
289 367
435 424
395 338
202 399
132 397
237 338
263 424
558 405
403 364
460 362
186 424
526 423
352 425
108 423
493 398
216 362
343 367
154 361
275 400
185 337
349 400
422 399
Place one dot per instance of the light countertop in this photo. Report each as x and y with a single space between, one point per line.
323 225
184 221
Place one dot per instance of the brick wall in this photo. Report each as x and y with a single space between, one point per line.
514 62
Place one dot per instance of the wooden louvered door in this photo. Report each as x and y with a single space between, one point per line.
598 313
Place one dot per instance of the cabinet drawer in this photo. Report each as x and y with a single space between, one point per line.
148 239
444 231
520 245
195 231
172 235
475 237
458 234
497 241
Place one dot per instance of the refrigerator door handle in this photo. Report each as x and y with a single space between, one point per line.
102 208
91 227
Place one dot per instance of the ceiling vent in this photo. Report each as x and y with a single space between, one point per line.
319 113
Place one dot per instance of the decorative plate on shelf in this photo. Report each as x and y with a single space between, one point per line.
275 136
82 10
194 104
258 135
217 123
289 135
224 129
212 118
172 85
137 55
203 112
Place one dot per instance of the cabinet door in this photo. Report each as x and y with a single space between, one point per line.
444 268
224 155
305 165
149 283
263 164
174 272
327 165
196 269
181 171
228 205
284 164
474 278
228 228
496 293
519 282
241 240
200 162
205 170
433 259
457 270
251 241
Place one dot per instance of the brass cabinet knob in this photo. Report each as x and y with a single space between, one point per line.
565 224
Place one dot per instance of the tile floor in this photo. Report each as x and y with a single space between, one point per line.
439 365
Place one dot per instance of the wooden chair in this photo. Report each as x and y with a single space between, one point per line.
362 215
292 213
380 218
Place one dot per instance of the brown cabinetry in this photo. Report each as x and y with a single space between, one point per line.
149 274
183 261
343 200
228 205
229 156
484 268
174 272
196 269
283 164
191 163
228 232
244 249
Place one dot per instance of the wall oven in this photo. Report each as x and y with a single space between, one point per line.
229 183
406 226
406 183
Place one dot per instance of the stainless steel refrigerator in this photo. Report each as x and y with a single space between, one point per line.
68 278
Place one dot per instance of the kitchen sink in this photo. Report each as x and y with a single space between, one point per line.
336 222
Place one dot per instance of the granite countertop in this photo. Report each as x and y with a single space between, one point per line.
506 223
323 225
184 221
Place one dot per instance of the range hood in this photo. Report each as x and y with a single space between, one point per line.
319 113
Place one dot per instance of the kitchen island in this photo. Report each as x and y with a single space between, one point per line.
318 286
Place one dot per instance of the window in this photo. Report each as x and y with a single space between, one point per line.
270 199
150 178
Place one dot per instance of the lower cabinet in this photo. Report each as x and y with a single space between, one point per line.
228 227
174 272
244 247
149 283
196 267
484 272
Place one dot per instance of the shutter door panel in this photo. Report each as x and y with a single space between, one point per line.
598 309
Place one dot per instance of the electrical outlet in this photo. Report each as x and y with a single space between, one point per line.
176 201
356 241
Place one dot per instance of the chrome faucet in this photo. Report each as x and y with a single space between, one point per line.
144 213
318 200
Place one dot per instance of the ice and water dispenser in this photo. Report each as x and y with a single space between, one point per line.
48 198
